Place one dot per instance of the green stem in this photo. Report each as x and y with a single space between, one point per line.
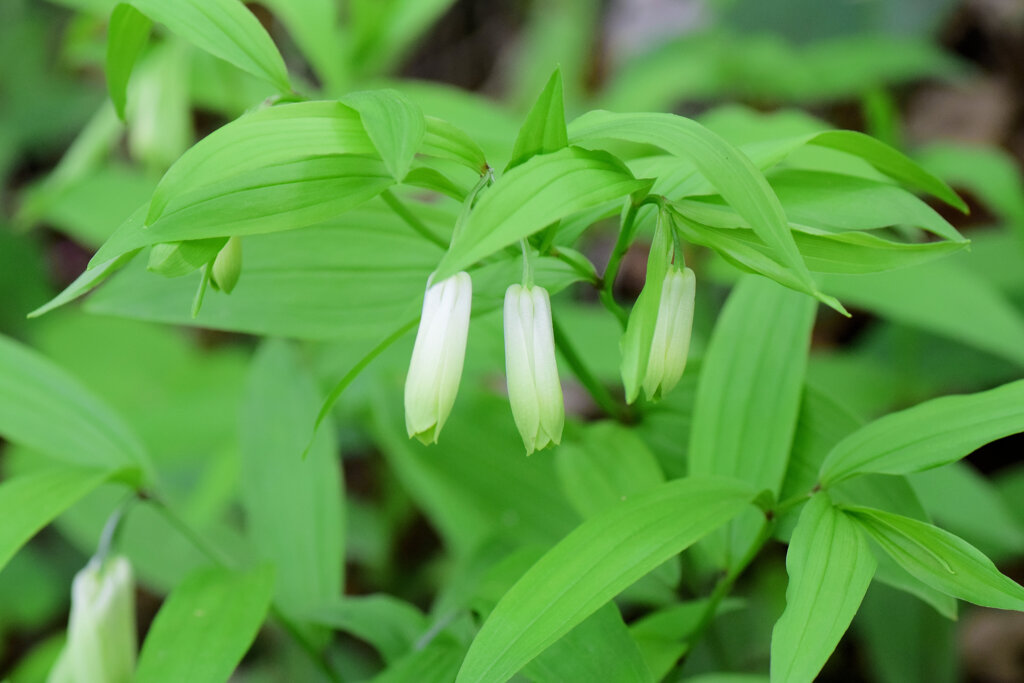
597 390
410 218
726 583
217 557
611 271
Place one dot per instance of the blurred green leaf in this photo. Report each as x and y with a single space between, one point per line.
28 502
127 35
390 625
293 505
225 29
594 563
830 567
940 559
205 626
437 662
928 435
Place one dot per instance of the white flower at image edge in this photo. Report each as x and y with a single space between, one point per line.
436 365
533 387
102 642
671 342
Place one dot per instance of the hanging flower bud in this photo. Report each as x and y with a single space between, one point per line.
533 387
657 337
436 365
101 645
671 342
228 265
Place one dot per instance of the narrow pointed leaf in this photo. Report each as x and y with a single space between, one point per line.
225 29
591 565
940 559
544 130
928 435
830 566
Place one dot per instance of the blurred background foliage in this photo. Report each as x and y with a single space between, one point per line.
941 79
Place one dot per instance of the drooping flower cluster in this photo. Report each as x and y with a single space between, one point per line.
654 347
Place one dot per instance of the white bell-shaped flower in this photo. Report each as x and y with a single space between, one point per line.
436 365
534 390
671 341
102 642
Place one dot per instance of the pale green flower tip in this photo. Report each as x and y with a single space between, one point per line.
435 368
227 267
670 344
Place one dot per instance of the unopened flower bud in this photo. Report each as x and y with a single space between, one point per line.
101 645
436 365
533 387
228 265
671 342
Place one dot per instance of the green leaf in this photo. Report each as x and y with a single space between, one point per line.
606 465
395 125
174 259
263 138
533 195
942 297
205 626
390 625
748 394
981 515
928 435
726 168
286 196
830 566
46 409
940 559
446 141
543 131
437 662
127 35
225 29
591 565
314 25
598 648
293 506
29 502
663 635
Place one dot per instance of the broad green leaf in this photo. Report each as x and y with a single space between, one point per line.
748 394
275 135
314 25
598 648
127 35
980 515
293 504
830 566
663 635
543 131
46 409
533 195
940 559
729 171
446 141
205 626
225 29
928 435
394 124
286 196
28 502
895 576
941 297
607 464
594 563
390 625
